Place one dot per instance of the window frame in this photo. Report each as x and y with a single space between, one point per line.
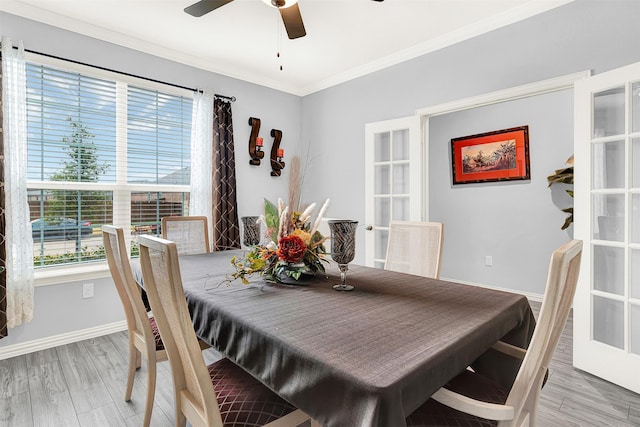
53 275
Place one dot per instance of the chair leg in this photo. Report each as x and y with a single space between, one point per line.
151 391
138 359
181 420
133 352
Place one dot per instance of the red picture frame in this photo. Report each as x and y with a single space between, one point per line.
501 155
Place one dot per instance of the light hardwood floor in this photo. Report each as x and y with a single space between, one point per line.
82 384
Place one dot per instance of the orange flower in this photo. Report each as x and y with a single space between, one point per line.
305 236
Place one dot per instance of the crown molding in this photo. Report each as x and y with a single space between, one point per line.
484 26
506 18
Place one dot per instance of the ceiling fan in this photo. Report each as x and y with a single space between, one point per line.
289 11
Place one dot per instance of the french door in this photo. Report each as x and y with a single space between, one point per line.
607 219
393 180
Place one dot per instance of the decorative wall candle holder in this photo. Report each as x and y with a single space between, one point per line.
277 153
255 143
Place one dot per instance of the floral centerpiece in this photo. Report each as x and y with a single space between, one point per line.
295 246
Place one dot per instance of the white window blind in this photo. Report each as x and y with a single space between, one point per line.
101 151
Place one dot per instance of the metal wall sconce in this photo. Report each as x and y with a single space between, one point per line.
277 153
255 143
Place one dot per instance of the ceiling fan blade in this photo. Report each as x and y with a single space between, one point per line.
205 6
293 21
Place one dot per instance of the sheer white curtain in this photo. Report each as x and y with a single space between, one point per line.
201 157
19 242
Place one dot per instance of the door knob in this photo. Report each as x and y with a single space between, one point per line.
368 227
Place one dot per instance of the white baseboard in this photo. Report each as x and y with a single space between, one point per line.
62 339
530 296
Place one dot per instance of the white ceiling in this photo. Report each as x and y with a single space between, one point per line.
345 38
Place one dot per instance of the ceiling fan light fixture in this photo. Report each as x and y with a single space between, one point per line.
280 4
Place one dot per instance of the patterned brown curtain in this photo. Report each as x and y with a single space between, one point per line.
3 251
226 227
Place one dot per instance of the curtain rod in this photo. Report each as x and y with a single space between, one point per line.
230 98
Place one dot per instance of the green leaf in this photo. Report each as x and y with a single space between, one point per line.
561 176
567 222
271 217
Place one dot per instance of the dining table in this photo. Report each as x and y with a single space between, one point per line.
369 357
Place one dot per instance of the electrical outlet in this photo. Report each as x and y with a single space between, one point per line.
488 260
87 290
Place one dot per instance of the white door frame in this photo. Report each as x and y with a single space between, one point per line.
505 95
416 186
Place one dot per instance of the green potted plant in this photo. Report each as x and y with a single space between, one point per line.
564 176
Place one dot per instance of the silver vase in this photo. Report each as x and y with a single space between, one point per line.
343 247
251 230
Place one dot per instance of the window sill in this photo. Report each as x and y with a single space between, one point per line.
66 274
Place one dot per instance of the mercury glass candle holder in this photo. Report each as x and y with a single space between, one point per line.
343 248
251 230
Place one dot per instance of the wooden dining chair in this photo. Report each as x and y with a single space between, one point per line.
471 399
221 394
144 338
190 233
415 248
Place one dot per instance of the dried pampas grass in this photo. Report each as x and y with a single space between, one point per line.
295 183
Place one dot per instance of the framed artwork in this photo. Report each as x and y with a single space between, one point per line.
501 155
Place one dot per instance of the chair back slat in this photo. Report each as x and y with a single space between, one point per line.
562 280
128 290
190 233
415 248
161 272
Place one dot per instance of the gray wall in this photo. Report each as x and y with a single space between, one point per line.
583 35
518 222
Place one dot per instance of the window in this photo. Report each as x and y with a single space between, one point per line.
102 151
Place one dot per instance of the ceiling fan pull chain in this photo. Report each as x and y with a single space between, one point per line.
279 31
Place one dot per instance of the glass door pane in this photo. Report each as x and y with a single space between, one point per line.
635 162
608 164
608 321
608 112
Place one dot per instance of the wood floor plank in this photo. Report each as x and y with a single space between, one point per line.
552 418
120 341
83 379
113 370
634 412
164 398
41 357
106 416
15 410
50 399
13 377
598 416
158 419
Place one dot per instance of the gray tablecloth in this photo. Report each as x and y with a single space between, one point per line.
364 358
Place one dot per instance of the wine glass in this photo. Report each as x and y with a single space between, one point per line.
343 248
